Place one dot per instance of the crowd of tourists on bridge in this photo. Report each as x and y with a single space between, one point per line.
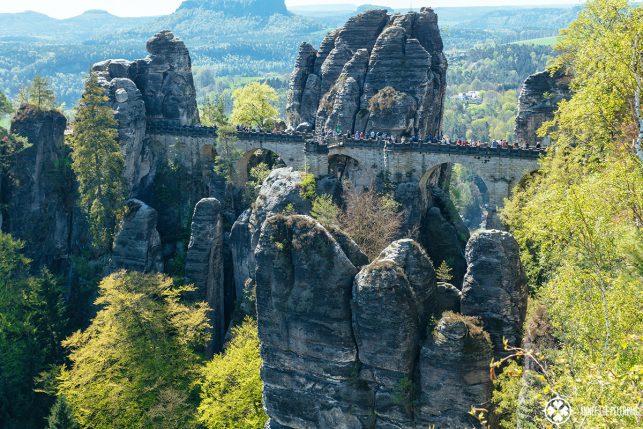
445 140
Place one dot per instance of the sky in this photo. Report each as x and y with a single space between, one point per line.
69 8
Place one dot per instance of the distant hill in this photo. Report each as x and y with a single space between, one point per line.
226 37
238 7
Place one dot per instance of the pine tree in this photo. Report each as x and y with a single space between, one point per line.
40 95
443 272
61 416
98 163
213 112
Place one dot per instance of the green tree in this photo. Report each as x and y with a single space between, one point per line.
61 416
254 105
98 163
228 154
40 95
325 210
5 104
135 365
258 174
578 222
213 112
443 272
32 324
231 386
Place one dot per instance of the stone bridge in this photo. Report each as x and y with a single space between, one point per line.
363 161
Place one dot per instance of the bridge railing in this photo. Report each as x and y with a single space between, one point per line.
322 145
201 131
424 147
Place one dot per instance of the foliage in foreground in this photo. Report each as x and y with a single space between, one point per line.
231 385
32 324
579 223
135 365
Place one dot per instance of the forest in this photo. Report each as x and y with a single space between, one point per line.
128 350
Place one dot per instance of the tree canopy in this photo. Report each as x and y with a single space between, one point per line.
135 365
578 221
231 386
254 105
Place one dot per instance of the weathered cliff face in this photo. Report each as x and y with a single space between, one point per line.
37 190
137 245
168 173
280 191
538 101
204 265
157 88
164 78
495 286
378 72
349 349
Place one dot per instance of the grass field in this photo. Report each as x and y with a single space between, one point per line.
544 41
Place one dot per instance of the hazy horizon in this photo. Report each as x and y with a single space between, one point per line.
127 8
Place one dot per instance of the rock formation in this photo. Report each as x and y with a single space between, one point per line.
538 101
37 195
165 172
279 192
157 88
495 286
204 265
304 282
378 72
137 245
349 349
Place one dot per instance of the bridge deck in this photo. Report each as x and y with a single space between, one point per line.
313 145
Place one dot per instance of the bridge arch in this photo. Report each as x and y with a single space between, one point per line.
252 157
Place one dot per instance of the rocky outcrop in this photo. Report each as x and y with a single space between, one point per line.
37 195
454 373
204 265
495 286
538 101
344 349
378 72
157 88
137 245
281 191
304 282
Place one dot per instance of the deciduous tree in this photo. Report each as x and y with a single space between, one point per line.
135 365
254 105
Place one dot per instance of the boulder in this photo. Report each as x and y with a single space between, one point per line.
137 245
204 265
495 286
